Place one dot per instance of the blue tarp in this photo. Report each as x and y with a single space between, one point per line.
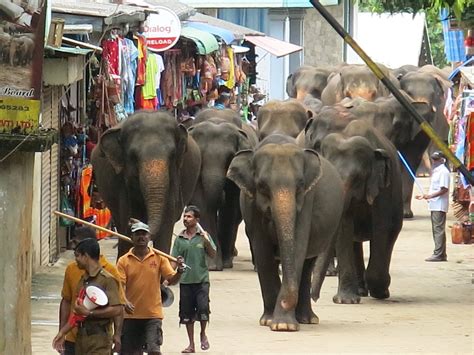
455 72
453 40
227 36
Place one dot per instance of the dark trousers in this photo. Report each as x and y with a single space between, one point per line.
438 224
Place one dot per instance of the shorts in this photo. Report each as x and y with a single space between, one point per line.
193 302
141 335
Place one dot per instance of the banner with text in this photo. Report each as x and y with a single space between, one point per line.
22 24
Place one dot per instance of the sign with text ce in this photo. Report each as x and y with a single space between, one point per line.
19 115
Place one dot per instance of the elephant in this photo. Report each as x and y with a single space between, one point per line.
290 218
307 80
5 41
373 210
21 50
281 117
147 167
217 196
355 81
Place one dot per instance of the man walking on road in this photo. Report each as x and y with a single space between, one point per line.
69 292
438 198
194 244
141 270
94 335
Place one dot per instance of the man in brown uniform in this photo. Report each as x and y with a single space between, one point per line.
94 334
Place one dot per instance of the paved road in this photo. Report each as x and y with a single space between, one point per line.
430 310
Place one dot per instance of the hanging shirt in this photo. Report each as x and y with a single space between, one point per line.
128 73
142 58
110 52
160 67
149 89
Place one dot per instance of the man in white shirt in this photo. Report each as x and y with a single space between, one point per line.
438 198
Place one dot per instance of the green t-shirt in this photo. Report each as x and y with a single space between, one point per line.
149 89
194 254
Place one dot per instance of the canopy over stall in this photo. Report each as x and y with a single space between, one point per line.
226 35
274 46
205 42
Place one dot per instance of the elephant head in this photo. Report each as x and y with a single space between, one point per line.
227 115
218 143
329 120
364 168
147 151
281 117
277 178
425 87
307 80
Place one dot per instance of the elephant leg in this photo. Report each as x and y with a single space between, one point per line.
209 223
304 313
360 269
267 270
332 269
407 192
377 274
228 224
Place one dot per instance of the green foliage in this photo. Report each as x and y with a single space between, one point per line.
458 8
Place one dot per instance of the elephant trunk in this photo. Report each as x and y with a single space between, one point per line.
213 185
155 186
284 214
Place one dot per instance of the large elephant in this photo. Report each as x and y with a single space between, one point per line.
355 81
307 80
289 217
373 211
396 123
281 117
217 196
147 167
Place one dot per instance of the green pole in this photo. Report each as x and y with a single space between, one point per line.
424 125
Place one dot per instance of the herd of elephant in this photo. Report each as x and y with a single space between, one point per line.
16 49
318 176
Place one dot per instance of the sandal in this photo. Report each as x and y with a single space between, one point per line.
188 350
205 344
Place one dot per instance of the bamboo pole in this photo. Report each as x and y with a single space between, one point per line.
120 236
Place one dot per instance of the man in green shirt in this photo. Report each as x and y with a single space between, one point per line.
194 244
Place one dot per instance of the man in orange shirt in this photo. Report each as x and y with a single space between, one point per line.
141 270
69 293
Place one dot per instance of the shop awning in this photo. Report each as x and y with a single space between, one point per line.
227 36
274 46
68 50
205 42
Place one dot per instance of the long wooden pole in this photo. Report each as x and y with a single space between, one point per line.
120 236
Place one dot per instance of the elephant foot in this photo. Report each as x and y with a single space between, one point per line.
307 317
228 263
346 298
212 265
363 291
266 320
407 213
380 294
284 323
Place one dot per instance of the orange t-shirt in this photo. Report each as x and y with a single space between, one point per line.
73 275
141 280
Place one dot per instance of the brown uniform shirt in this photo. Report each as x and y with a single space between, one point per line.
107 283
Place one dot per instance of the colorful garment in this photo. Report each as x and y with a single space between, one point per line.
129 73
110 53
142 58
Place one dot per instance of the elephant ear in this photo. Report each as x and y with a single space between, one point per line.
241 172
181 139
340 89
380 174
110 145
312 169
243 141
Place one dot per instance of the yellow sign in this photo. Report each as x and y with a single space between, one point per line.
18 115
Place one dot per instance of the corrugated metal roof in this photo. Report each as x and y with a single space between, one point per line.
239 31
68 50
107 9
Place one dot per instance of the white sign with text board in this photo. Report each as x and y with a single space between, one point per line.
162 30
